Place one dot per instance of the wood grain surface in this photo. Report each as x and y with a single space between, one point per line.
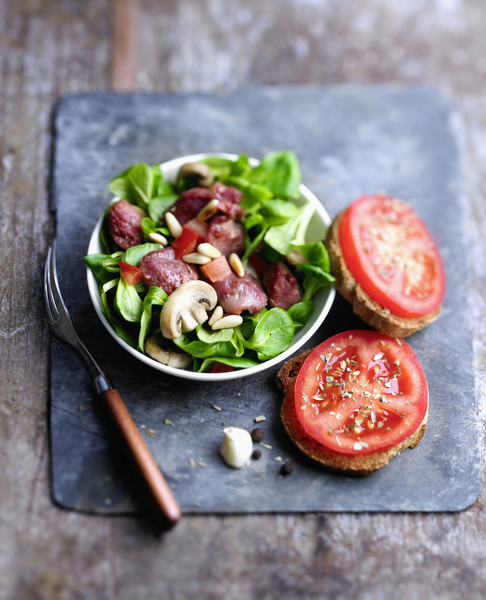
49 48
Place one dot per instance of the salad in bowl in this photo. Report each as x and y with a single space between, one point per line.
211 266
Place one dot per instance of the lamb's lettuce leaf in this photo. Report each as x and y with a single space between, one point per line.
316 268
154 297
273 334
281 237
142 184
127 301
280 173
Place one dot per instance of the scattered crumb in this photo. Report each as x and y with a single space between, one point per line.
202 463
260 419
218 408
150 432
278 459
81 408
267 446
192 462
168 422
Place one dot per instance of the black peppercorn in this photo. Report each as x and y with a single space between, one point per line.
257 434
256 454
286 469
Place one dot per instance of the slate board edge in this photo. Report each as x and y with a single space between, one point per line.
469 501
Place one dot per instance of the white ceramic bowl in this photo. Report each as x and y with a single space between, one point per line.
322 300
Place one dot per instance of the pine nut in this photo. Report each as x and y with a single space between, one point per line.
228 322
236 264
208 250
196 258
216 316
173 224
208 210
158 238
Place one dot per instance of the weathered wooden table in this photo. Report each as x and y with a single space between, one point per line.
48 49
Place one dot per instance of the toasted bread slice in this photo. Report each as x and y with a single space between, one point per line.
352 465
363 305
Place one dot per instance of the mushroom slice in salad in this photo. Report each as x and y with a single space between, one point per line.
186 307
198 173
178 360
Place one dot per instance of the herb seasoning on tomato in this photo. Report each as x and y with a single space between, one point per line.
361 392
391 254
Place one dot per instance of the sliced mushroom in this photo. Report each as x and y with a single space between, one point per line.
178 360
198 173
295 257
186 307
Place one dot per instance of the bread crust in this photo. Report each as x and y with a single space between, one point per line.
352 465
363 305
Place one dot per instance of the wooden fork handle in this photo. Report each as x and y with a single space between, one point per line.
144 460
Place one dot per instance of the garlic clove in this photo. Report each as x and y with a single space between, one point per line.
237 447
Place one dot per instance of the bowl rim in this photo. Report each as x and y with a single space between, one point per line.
93 288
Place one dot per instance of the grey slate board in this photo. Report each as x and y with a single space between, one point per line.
350 141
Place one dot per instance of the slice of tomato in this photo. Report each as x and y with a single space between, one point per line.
361 392
130 273
391 254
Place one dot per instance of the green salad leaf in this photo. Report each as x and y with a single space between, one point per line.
145 186
158 205
127 301
135 184
121 331
317 268
96 262
281 237
216 350
300 313
154 297
280 173
236 363
273 334
134 255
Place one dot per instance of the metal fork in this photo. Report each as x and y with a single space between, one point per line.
61 325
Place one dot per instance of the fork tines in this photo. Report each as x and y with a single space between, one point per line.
53 301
